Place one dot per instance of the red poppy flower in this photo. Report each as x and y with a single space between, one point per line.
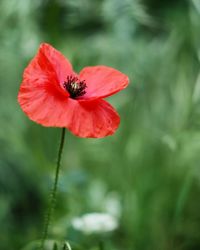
53 95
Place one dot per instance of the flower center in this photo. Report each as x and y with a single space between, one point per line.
75 87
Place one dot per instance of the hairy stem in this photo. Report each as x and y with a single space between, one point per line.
52 201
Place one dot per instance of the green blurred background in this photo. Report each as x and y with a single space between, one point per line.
151 165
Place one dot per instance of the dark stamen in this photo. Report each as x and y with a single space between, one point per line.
74 86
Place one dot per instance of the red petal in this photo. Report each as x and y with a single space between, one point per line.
95 119
102 81
85 119
48 67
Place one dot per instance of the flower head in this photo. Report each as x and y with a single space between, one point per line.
54 95
95 223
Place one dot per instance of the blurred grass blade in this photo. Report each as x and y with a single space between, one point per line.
66 246
55 246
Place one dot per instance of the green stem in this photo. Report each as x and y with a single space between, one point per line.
52 202
101 245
